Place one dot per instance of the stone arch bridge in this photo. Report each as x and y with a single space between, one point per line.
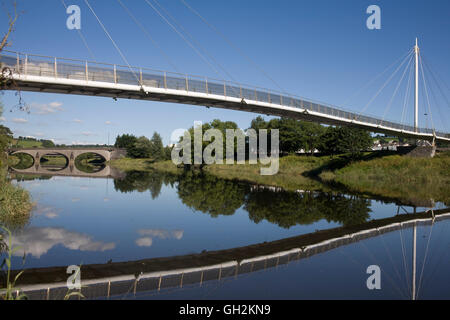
71 154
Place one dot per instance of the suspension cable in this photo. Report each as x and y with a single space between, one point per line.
384 85
406 99
388 107
426 92
433 77
424 259
210 56
183 37
83 39
113 42
376 77
145 31
231 44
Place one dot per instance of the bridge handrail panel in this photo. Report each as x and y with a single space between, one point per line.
102 72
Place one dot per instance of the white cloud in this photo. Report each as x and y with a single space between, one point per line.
144 242
77 121
39 134
148 234
48 108
108 123
2 119
48 212
162 234
19 120
37 241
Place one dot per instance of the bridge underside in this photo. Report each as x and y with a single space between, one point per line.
78 87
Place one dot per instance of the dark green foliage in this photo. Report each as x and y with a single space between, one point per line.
222 127
125 141
294 135
157 151
338 140
210 195
47 144
141 148
288 209
143 181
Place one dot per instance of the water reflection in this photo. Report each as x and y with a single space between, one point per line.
144 181
211 195
38 241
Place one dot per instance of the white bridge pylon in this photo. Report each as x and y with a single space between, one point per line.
67 76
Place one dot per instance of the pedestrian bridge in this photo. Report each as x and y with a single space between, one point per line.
68 76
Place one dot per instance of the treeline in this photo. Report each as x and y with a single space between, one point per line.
44 142
299 136
294 136
311 137
143 147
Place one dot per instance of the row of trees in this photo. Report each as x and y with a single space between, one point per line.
143 147
308 136
44 142
294 136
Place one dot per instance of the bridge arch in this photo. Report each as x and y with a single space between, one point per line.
54 167
18 155
91 165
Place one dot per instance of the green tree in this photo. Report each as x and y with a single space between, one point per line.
157 151
311 134
141 148
222 127
258 123
47 143
125 141
339 140
290 134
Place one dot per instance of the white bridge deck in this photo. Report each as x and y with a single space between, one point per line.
67 76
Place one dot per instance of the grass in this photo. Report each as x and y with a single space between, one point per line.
53 161
380 174
15 203
27 144
399 177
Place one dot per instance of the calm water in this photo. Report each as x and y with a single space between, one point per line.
148 215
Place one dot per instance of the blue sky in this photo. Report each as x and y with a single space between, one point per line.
316 49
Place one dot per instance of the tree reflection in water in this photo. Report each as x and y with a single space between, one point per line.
214 196
143 181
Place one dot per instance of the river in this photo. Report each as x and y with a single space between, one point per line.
148 215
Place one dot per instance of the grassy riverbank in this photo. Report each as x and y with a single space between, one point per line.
378 174
399 177
15 203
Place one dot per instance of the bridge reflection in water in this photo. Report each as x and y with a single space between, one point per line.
70 170
124 278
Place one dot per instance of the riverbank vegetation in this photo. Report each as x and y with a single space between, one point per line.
15 202
381 174
313 157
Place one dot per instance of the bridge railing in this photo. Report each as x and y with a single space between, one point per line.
62 68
